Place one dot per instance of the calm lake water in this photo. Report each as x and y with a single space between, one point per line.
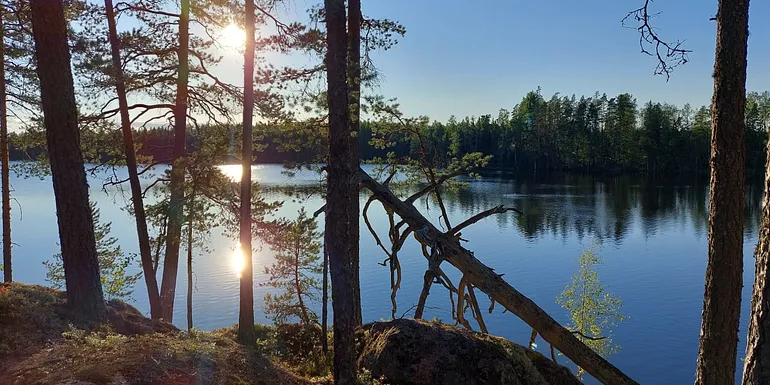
651 235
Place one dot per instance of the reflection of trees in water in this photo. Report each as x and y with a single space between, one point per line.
606 208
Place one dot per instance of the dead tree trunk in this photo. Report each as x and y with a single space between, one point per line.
76 227
145 252
486 280
724 271
6 180
176 185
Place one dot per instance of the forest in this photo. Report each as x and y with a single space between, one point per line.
590 134
91 86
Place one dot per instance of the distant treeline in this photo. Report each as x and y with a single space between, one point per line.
588 134
597 133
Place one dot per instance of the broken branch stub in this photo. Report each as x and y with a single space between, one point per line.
491 283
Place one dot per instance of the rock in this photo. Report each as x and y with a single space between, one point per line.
129 321
416 352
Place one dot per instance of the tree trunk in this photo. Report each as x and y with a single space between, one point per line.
6 181
757 362
298 286
246 333
176 185
722 298
342 199
76 227
133 176
325 301
354 114
190 269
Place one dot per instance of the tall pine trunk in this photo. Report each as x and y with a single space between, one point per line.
145 252
341 198
354 114
722 298
6 180
325 301
176 185
246 333
190 267
756 369
76 227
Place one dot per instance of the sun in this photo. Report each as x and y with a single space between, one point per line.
232 37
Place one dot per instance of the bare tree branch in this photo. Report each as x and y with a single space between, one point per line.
495 210
669 54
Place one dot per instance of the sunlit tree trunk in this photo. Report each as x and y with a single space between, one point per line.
6 180
176 185
246 334
722 298
76 227
145 252
341 198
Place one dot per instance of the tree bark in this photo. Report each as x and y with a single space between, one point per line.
176 185
6 180
189 270
756 370
354 114
298 286
491 283
246 333
342 211
145 252
76 227
325 301
722 297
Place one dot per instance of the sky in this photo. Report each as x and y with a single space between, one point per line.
467 58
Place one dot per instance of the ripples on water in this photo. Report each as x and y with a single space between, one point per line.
652 236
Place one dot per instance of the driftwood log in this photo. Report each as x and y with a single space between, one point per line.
485 279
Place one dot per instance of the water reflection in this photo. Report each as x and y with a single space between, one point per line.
237 260
595 207
232 171
652 236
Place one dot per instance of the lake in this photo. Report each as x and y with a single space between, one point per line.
651 236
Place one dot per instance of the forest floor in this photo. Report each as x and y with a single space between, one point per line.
41 342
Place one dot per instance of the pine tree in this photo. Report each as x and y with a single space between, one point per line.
114 264
296 270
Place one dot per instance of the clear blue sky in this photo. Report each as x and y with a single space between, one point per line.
467 58
472 58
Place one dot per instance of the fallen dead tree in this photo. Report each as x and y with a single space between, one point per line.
439 246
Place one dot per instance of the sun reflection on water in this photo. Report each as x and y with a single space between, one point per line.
237 261
232 171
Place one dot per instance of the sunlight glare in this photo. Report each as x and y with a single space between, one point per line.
232 37
232 171
238 261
